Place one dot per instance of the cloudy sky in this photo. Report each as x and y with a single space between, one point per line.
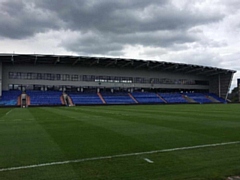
203 32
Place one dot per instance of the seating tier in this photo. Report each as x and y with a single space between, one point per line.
173 97
85 98
44 97
147 97
117 98
9 98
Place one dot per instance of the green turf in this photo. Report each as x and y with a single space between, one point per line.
53 134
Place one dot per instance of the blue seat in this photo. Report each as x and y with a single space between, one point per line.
117 98
216 97
147 97
44 97
9 98
85 98
198 97
173 97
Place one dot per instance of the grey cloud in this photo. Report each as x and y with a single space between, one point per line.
19 19
107 15
125 17
94 49
93 43
156 39
120 23
201 57
232 5
105 43
112 23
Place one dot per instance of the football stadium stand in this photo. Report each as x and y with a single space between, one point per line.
39 80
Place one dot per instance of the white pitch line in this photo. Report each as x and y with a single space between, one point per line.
116 156
148 160
9 111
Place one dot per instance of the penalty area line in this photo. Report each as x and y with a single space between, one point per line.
116 156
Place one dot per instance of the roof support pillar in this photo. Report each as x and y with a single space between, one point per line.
229 86
219 85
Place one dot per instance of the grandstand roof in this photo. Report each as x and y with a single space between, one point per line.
112 62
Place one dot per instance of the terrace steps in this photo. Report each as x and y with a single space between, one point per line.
133 98
213 99
102 99
162 98
188 99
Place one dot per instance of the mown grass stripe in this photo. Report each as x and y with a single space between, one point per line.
117 156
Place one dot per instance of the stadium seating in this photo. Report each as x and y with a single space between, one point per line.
199 97
221 100
117 98
9 98
173 97
44 97
85 98
147 97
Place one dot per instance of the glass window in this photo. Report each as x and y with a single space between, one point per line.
67 77
63 77
10 86
74 77
39 76
29 75
58 77
48 76
23 75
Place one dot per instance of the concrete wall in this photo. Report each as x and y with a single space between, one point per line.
68 69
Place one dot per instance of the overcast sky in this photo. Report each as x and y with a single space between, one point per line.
203 32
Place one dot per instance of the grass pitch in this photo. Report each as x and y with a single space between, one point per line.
34 136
